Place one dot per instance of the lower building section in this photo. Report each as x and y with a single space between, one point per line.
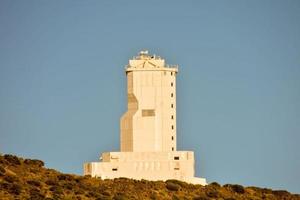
145 165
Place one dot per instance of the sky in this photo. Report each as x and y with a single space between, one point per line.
63 86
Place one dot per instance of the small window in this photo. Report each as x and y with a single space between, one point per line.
172 148
176 157
171 73
172 127
171 84
176 168
114 169
172 95
172 116
148 112
172 105
172 137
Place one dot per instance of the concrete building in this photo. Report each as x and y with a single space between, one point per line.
148 128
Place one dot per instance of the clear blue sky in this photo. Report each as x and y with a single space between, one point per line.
63 87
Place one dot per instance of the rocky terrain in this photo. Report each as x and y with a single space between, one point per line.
29 179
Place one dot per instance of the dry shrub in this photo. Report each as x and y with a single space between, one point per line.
36 194
65 177
35 162
281 193
201 198
215 185
120 197
56 189
212 193
11 178
68 185
92 194
106 193
2 171
172 186
34 183
15 189
178 182
235 188
51 182
14 160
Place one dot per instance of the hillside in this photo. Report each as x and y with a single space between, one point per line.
29 179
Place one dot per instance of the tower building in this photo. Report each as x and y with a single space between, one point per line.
149 125
148 128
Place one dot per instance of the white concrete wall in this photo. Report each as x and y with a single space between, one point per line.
148 129
150 122
145 165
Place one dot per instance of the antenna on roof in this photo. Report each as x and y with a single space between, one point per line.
144 52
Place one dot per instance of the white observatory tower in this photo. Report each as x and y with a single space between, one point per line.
148 128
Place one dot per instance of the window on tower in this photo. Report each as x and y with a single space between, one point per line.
172 116
171 94
171 84
172 105
172 127
172 137
148 112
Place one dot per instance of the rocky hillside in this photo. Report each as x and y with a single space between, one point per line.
29 179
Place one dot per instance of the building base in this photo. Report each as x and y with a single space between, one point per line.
146 165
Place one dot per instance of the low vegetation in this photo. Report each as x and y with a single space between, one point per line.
29 179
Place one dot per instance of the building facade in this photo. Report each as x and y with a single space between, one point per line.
148 128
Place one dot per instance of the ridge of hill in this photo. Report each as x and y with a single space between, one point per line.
28 179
